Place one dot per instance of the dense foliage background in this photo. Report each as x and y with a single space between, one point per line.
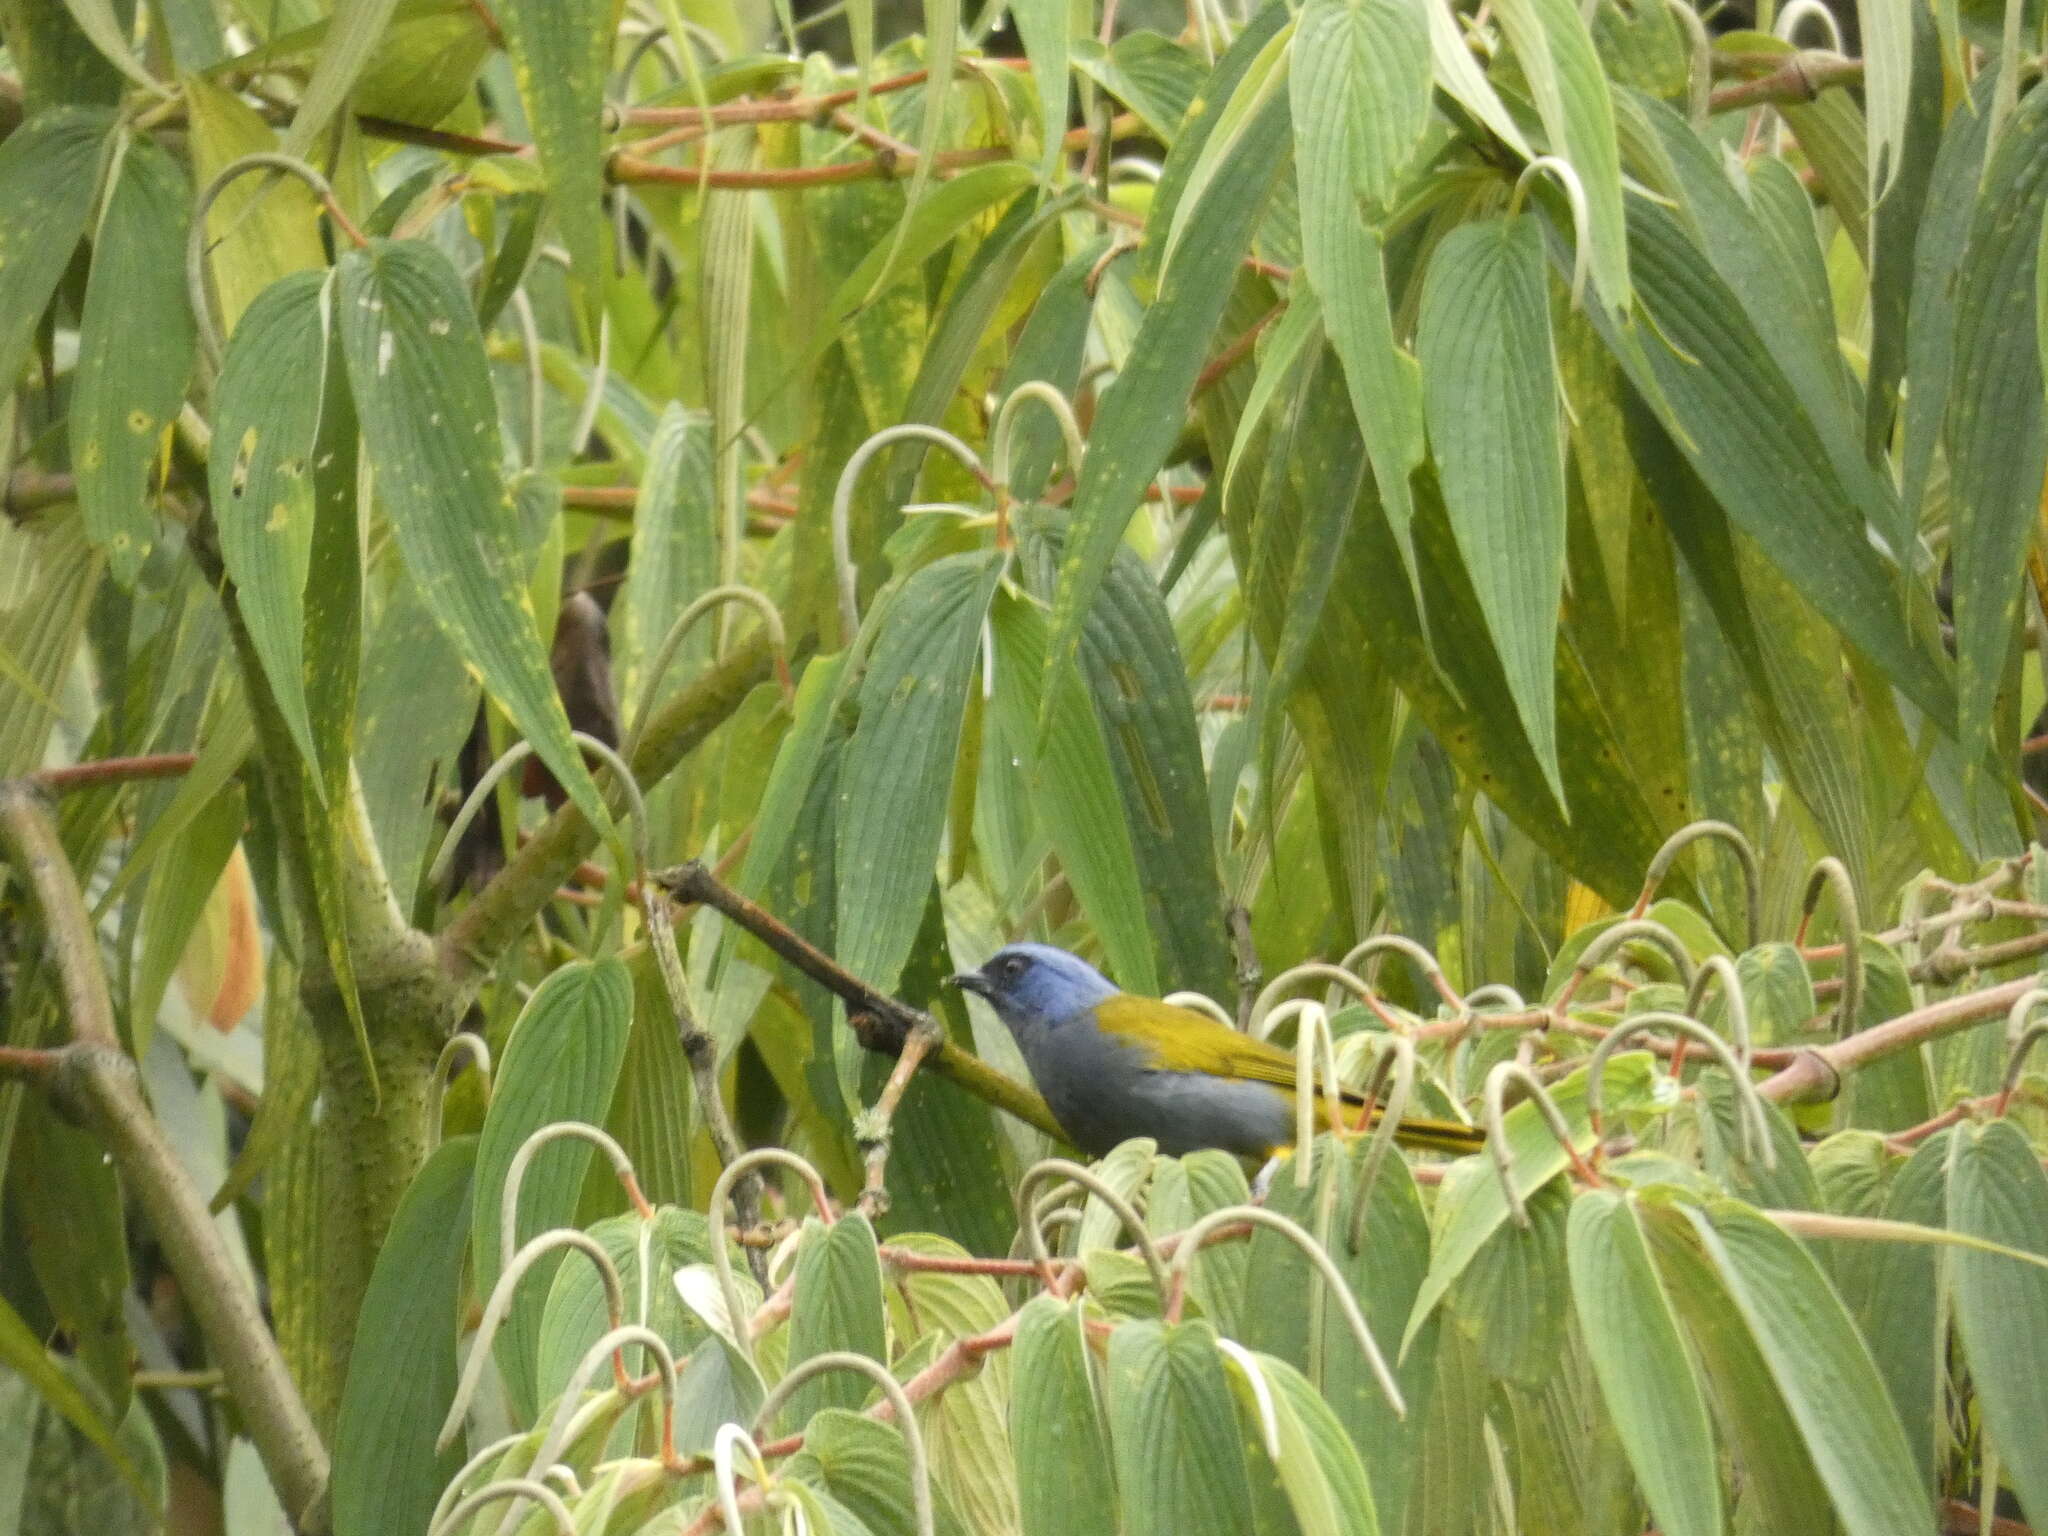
1352 481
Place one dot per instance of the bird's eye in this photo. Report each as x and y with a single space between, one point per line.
1013 967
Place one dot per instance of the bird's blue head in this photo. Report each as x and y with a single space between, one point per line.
1033 986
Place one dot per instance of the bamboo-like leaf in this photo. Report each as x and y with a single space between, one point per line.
1734 415
1074 790
21 1351
1140 413
97 20
1484 336
1459 76
40 624
931 225
353 33
422 388
1179 1458
837 1306
67 1198
1997 1192
49 170
1631 1333
1556 51
135 345
560 52
899 764
1043 26
265 421
1063 1476
1997 448
1821 1366
1360 79
401 1374
562 1063
1887 27
179 886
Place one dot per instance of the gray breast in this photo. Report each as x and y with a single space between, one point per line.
1102 1093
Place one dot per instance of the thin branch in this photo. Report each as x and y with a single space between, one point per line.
99 1083
879 1021
114 770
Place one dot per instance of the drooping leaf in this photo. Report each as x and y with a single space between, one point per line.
266 418
1063 1476
1997 1192
135 345
1179 1461
1645 1374
560 53
1821 1366
561 1063
1139 416
1997 447
837 1306
422 389
49 170
402 1371
1484 336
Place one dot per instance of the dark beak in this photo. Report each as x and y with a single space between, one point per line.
971 981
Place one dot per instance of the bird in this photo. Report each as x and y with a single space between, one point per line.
1112 1066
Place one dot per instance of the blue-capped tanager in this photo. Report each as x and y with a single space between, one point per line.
1112 1066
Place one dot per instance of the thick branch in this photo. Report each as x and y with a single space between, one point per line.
1800 77
1817 1074
98 1081
115 770
471 943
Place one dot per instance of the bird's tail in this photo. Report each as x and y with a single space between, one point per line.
1422 1134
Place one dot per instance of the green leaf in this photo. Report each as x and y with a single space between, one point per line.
561 1063
1139 680
353 33
1472 1206
1631 1334
109 33
1317 1464
57 572
1179 1461
1490 390
1074 791
22 1352
1043 27
1731 410
422 388
1996 445
49 170
135 345
576 1315
1360 79
927 228
837 1306
67 1199
1140 414
1556 52
401 1373
1997 1192
1823 1368
261 479
899 765
179 887
561 50
865 1467
1514 1296
1063 1476
1384 1273
262 226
